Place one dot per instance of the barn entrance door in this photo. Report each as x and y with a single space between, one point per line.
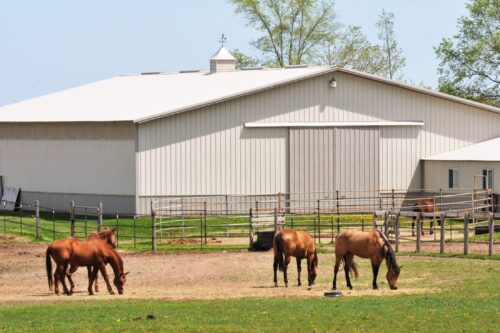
324 160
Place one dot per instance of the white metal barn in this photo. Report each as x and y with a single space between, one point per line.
131 138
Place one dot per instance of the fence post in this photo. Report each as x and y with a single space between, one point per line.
491 229
386 224
393 200
275 219
72 218
135 236
37 219
466 233
396 231
205 219
338 213
227 216
442 219
153 228
99 218
419 231
250 229
319 221
375 219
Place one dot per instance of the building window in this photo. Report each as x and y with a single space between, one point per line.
453 178
488 179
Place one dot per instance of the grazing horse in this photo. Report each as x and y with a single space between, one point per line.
93 252
424 206
299 244
108 235
372 245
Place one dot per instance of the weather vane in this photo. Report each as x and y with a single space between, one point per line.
222 40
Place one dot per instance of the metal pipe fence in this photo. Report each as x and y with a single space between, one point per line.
230 221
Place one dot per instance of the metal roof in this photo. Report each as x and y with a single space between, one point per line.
140 98
482 151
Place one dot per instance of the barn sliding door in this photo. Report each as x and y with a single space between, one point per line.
323 160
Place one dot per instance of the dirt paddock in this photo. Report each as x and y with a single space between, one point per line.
217 275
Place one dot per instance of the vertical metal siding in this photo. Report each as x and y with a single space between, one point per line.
436 174
69 158
208 151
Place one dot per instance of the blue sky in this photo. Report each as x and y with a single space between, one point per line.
47 46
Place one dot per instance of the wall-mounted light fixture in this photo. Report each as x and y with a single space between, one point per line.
333 83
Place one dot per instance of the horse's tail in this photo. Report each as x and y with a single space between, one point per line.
353 268
48 266
278 242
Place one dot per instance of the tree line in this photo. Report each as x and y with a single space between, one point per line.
294 32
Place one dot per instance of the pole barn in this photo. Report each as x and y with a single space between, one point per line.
129 139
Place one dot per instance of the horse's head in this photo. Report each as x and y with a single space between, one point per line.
392 276
109 236
119 281
313 269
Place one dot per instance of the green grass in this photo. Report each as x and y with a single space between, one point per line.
465 298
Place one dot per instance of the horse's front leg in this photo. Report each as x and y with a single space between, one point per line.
102 268
335 271
96 285
275 268
92 276
299 269
375 268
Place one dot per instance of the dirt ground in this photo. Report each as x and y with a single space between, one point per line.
218 275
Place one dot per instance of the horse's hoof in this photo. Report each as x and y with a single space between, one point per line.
96 290
111 292
275 285
375 288
299 284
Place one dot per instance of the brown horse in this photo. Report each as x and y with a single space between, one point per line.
93 252
299 244
365 244
424 206
108 235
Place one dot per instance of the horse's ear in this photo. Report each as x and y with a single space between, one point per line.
113 229
126 273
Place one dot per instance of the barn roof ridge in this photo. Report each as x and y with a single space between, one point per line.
141 98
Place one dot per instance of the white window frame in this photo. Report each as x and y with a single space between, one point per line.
486 182
455 178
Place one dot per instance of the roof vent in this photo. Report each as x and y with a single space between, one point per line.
190 71
222 61
251 68
150 73
297 66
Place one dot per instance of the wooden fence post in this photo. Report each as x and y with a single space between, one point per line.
72 218
491 229
37 219
442 220
386 224
153 228
99 218
466 233
396 231
275 219
375 219
419 232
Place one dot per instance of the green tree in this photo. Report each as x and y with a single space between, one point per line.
392 55
470 61
351 48
291 29
242 60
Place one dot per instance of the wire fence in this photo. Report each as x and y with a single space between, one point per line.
227 222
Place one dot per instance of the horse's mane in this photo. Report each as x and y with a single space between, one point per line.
388 253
